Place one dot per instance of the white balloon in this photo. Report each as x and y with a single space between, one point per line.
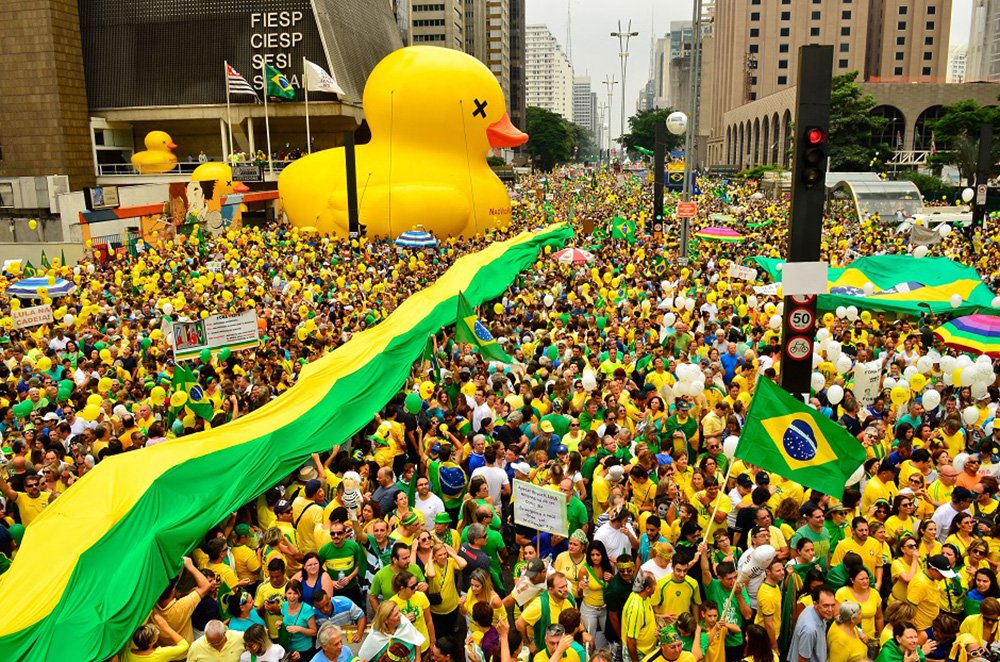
762 555
68 320
822 334
869 289
968 194
841 312
960 460
944 230
948 381
996 302
670 319
548 300
964 361
948 364
843 364
919 252
925 364
888 383
858 474
729 446
781 307
979 390
852 313
677 122
774 322
955 300
90 268
833 351
689 305
77 270
817 381
930 399
817 359
779 266
823 344
668 302
168 308
589 381
903 384
835 394
910 371
752 301
970 415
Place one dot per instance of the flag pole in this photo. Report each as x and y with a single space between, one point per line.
267 120
722 494
229 116
305 81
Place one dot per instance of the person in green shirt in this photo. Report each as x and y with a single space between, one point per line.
344 561
687 427
381 588
718 589
576 512
495 547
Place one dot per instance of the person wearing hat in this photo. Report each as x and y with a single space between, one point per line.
671 648
443 531
573 559
924 592
546 438
408 528
246 563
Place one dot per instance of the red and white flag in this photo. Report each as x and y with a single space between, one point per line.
237 83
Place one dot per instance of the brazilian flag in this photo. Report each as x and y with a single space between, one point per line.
277 85
469 329
185 382
659 265
623 229
794 441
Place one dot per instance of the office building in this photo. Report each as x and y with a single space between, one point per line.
516 100
498 43
983 60
957 64
548 72
585 105
437 24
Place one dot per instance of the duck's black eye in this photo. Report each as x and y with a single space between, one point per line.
480 108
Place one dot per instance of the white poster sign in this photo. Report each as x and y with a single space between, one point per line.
213 333
768 290
25 317
540 508
866 382
743 273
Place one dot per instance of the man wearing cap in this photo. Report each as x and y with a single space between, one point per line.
638 626
307 514
961 499
546 439
442 531
659 560
682 428
924 592
245 560
671 648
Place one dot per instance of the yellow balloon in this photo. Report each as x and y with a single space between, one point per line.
178 399
104 384
157 395
15 304
33 224
426 389
90 413
918 382
44 364
94 399
899 395
105 355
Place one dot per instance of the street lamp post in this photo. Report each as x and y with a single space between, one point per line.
623 39
689 142
610 82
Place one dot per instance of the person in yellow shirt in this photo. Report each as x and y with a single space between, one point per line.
710 501
869 549
988 617
245 560
639 634
414 606
924 592
271 595
677 592
769 601
216 549
31 502
881 486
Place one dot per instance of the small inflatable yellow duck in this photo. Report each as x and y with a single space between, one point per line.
157 156
434 115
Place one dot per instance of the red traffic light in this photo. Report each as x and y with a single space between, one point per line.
815 136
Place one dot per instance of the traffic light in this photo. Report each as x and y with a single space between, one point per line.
813 155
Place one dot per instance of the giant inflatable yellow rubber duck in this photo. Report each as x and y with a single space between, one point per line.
157 156
216 182
434 114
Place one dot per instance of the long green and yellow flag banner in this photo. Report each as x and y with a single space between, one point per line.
796 442
94 562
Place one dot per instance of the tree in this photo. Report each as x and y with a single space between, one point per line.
642 130
583 143
852 125
551 138
956 136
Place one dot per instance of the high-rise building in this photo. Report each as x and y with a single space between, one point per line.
957 63
983 61
516 100
498 43
672 68
440 23
475 29
647 98
585 105
751 52
548 72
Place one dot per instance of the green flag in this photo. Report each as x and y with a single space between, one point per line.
277 85
622 228
429 356
62 257
785 436
185 382
44 261
469 329
28 269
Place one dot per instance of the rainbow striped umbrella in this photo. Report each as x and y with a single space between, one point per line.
716 233
978 334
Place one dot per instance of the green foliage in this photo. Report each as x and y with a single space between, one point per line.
555 140
928 184
956 136
495 161
642 130
758 171
852 125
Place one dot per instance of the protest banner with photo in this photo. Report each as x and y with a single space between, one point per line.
540 508
25 317
214 333
866 382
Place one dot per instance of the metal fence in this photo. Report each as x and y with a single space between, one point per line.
107 244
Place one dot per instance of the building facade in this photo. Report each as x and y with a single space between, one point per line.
437 24
750 50
585 105
516 100
548 73
498 43
983 62
957 63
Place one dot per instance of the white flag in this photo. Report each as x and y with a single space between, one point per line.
318 80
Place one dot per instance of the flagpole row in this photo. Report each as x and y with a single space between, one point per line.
229 115
305 86
267 119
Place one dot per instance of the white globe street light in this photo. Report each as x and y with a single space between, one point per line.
677 123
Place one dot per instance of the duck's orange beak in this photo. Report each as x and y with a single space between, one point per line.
240 187
171 146
504 134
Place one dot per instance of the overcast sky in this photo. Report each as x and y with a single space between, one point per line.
595 52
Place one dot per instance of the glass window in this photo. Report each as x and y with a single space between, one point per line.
782 64
784 32
845 31
815 16
901 25
926 71
755 16
900 41
845 48
813 32
902 10
928 41
845 15
930 25
898 71
782 80
786 16
928 57
899 56
931 10
754 48
842 64
754 32
782 48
